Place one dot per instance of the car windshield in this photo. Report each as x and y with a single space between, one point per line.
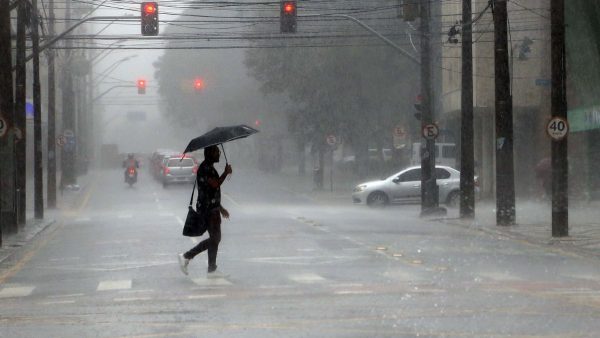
300 208
178 162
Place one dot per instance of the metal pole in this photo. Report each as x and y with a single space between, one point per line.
560 160
68 175
429 188
38 169
505 185
51 174
467 172
23 11
7 179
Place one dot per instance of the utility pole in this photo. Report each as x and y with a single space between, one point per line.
38 169
7 165
505 177
68 174
560 160
429 188
467 172
23 15
51 174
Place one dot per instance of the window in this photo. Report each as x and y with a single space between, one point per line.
441 174
187 162
411 175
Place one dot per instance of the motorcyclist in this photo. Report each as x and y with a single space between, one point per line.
130 162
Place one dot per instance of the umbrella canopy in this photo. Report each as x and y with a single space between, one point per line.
219 135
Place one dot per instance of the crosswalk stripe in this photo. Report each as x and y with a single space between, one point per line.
58 302
219 295
306 278
211 281
114 285
17 291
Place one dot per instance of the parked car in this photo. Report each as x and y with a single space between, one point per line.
178 170
405 187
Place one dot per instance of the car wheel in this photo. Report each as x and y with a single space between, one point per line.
453 199
377 199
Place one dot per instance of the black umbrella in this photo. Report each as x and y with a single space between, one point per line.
220 135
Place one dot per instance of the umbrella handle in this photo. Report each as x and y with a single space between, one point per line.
226 162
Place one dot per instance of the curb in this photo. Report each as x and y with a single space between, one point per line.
561 246
13 243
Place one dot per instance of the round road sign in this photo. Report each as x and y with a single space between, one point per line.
61 140
331 140
3 127
557 128
430 131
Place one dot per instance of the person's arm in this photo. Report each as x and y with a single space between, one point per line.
217 182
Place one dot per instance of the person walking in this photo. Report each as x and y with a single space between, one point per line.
209 205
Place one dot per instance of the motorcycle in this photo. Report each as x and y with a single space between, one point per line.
131 176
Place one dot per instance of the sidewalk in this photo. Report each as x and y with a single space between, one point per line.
11 243
534 218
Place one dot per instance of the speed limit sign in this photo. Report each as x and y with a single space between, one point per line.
3 127
557 128
430 131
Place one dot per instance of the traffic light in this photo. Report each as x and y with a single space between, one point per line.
419 107
287 16
141 86
149 18
198 84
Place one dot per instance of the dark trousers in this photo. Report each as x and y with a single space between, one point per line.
211 243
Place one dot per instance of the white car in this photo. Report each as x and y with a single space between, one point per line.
405 187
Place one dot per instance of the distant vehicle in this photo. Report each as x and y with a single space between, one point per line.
178 170
156 161
445 154
405 187
386 154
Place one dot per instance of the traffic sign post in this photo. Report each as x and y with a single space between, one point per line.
3 127
332 141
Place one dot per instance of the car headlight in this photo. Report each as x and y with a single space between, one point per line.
360 188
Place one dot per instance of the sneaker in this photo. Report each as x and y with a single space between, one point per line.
183 263
216 274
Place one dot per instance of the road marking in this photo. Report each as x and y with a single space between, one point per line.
218 295
67 296
17 291
211 281
63 259
231 200
115 256
114 285
58 302
136 291
131 299
353 292
306 278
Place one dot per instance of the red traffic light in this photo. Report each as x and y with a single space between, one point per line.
141 86
150 8
198 84
289 7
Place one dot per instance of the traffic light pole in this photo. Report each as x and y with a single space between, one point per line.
560 160
38 170
467 181
20 110
505 180
50 143
429 188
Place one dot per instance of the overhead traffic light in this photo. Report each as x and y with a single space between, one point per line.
287 16
141 86
198 84
149 18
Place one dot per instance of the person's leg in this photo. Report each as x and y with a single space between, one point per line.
214 233
215 238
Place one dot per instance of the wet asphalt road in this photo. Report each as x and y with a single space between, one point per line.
296 268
